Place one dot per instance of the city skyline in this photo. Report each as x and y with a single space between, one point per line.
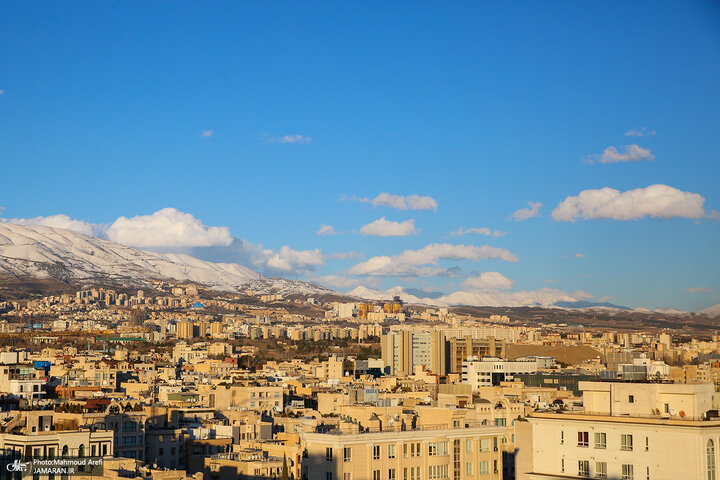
499 151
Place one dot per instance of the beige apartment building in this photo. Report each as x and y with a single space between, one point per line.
471 453
628 431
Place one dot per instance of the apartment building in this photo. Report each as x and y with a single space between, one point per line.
403 350
629 431
493 371
426 453
464 347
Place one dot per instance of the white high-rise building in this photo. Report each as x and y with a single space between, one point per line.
628 431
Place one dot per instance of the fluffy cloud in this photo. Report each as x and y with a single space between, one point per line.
401 202
290 139
488 281
288 260
2 92
627 153
581 295
424 262
480 231
525 213
387 228
642 132
207 133
698 290
579 255
168 227
59 221
658 201
325 230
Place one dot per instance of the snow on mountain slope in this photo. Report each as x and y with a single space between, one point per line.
46 252
713 311
545 297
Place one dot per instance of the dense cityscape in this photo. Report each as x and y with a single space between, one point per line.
177 381
359 240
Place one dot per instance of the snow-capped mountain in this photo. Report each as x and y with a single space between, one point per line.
45 252
545 297
713 311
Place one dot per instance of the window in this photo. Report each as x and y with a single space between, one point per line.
601 469
583 439
328 475
500 422
347 454
484 444
376 452
376 474
647 444
391 474
328 454
710 460
437 471
562 437
468 468
456 423
437 448
627 472
405 450
483 467
562 465
626 442
391 451
468 446
600 440
347 476
631 399
584 468
405 477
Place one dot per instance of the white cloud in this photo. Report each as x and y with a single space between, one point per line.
525 213
605 299
346 255
488 281
288 260
628 153
581 295
698 290
59 221
416 202
580 255
290 139
642 132
168 227
424 262
480 231
388 228
658 201
207 133
325 230
2 92
401 202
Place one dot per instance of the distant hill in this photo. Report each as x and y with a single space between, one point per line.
47 253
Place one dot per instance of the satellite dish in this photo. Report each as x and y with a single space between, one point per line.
682 413
672 412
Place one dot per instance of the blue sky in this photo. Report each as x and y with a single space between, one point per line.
483 107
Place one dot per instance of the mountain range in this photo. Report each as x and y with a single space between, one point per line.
41 252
